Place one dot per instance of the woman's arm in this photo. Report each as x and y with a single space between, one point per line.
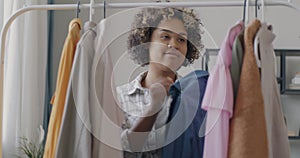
138 133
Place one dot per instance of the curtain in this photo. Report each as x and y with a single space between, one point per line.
1 108
1 14
24 75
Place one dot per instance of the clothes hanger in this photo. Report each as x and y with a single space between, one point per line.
104 8
78 9
244 11
92 3
256 45
256 8
262 9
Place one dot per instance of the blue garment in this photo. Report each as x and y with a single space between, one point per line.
186 117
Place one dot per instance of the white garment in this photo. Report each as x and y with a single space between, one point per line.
24 75
86 130
74 139
82 122
276 129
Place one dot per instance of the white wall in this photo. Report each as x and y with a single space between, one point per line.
285 22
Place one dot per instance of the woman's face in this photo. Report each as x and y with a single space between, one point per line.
168 45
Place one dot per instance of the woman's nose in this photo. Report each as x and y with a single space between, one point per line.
173 44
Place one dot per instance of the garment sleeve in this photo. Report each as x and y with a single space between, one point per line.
153 142
74 139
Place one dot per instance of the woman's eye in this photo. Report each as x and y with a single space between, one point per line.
165 37
181 40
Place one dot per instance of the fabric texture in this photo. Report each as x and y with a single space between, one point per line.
248 136
186 117
74 140
218 99
134 99
105 114
24 66
90 126
58 100
276 129
237 61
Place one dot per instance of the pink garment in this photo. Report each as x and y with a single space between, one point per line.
218 99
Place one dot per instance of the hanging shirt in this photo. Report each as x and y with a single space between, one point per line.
58 100
92 118
237 61
248 136
105 114
186 117
74 139
218 99
276 129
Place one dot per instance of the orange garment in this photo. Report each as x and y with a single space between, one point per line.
248 135
58 99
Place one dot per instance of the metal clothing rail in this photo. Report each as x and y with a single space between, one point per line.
8 23
128 5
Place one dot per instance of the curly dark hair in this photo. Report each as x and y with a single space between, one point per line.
146 21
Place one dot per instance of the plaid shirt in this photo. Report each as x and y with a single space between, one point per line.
134 100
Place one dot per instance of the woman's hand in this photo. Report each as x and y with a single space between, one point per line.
159 92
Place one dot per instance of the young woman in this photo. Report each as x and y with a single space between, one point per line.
164 39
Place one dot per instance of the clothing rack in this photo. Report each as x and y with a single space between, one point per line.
105 5
128 5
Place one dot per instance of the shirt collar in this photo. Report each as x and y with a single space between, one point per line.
75 21
90 25
135 85
188 80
